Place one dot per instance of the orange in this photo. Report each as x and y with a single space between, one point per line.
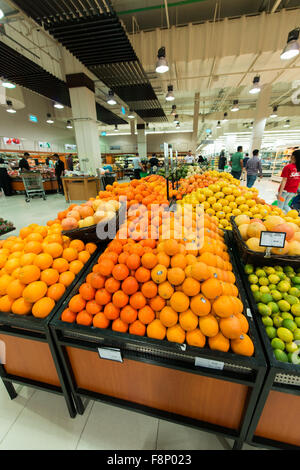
178 261
176 334
77 303
60 264
168 316
146 315
27 258
100 321
111 284
219 342
56 291
84 256
24 232
133 261
87 292
163 258
165 290
211 288
28 274
242 345
238 305
111 311
142 274
159 274
68 316
156 330
33 247
84 318
191 287
119 325
5 280
137 300
53 249
176 276
171 247
102 297
35 291
149 260
106 266
78 245
90 247
128 314
149 289
35 237
21 307
157 303
109 255
223 306
92 307
115 246
70 254
195 338
188 320
66 278
50 276
200 305
123 257
15 289
231 327
120 299
97 281
137 328
200 272
43 261
180 302
75 266
6 303
209 325
130 285
244 322
190 259
11 265
120 272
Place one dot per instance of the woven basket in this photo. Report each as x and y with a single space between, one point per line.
259 259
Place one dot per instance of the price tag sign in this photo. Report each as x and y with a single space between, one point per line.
209 363
249 314
112 354
272 239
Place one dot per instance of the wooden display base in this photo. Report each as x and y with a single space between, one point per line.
80 188
49 185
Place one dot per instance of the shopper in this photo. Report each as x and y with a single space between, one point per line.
59 170
154 163
245 159
70 162
137 167
236 163
5 178
201 159
290 182
23 163
189 158
47 161
222 161
253 166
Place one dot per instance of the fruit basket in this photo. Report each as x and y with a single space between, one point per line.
253 257
5 227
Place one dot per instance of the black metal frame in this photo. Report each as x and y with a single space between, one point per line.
36 329
164 354
274 367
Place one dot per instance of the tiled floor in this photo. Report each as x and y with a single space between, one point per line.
39 420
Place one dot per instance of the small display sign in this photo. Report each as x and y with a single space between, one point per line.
209 363
112 354
32 118
272 239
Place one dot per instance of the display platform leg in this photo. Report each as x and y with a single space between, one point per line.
10 389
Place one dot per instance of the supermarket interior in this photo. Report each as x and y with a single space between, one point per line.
150 225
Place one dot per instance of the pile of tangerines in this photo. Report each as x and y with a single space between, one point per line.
36 268
165 287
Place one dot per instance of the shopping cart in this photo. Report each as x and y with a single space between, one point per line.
33 184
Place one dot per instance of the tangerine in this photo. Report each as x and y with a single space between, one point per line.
188 320
34 291
157 303
180 302
130 285
119 325
168 316
111 284
219 342
137 328
120 272
68 316
91 306
211 288
243 345
21 307
128 314
156 330
102 297
209 325
28 274
66 278
100 321
84 318
200 305
87 292
176 334
195 338
120 299
111 311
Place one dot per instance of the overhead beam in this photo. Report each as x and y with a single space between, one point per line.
196 116
275 6
167 13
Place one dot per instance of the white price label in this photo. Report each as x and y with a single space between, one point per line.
249 314
210 363
113 354
272 239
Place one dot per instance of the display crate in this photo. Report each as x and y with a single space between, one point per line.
275 423
30 355
161 379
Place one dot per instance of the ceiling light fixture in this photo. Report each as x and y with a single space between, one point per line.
116 128
131 115
58 106
251 125
173 112
69 125
274 112
162 63
176 120
10 108
178 125
287 123
1 14
111 100
225 119
170 96
292 48
235 106
219 125
7 84
256 87
49 119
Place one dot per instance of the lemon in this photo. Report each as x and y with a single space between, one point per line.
285 335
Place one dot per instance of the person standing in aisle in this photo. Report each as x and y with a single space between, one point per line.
70 162
236 163
23 163
189 158
222 161
137 167
4 178
154 163
59 170
290 182
253 166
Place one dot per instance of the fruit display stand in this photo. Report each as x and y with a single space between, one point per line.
80 188
196 387
275 423
30 355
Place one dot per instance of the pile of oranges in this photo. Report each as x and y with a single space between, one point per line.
165 288
36 268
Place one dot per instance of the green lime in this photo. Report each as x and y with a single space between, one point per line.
283 286
296 280
291 347
289 324
267 321
272 287
277 320
249 269
257 296
283 305
271 332
286 316
276 295
296 333
254 287
278 269
281 276
290 275
291 299
288 269
285 334
290 357
280 355
273 306
296 310
274 279
297 321
269 270
264 309
264 289
253 279
263 281
266 298
260 272
294 291
277 343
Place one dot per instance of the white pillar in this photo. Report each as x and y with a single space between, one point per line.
85 122
260 118
142 143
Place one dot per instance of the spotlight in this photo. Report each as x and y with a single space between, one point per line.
219 125
235 106
7 84
111 100
256 87
10 108
58 106
176 120
170 96
49 119
287 123
292 47
161 64
131 115
173 112
69 125
225 119
274 113
116 128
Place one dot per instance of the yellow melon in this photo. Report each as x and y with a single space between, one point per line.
243 229
254 229
242 219
253 244
273 220
294 248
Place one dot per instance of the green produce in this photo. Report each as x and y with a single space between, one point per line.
269 270
267 321
278 269
276 295
277 321
291 299
294 291
289 324
266 298
283 286
281 355
274 279
253 279
264 289
271 332
249 269
296 310
257 296
273 306
260 273
285 334
286 316
297 321
264 309
277 343
283 305
291 347
296 334
254 287
296 280
263 281
272 287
